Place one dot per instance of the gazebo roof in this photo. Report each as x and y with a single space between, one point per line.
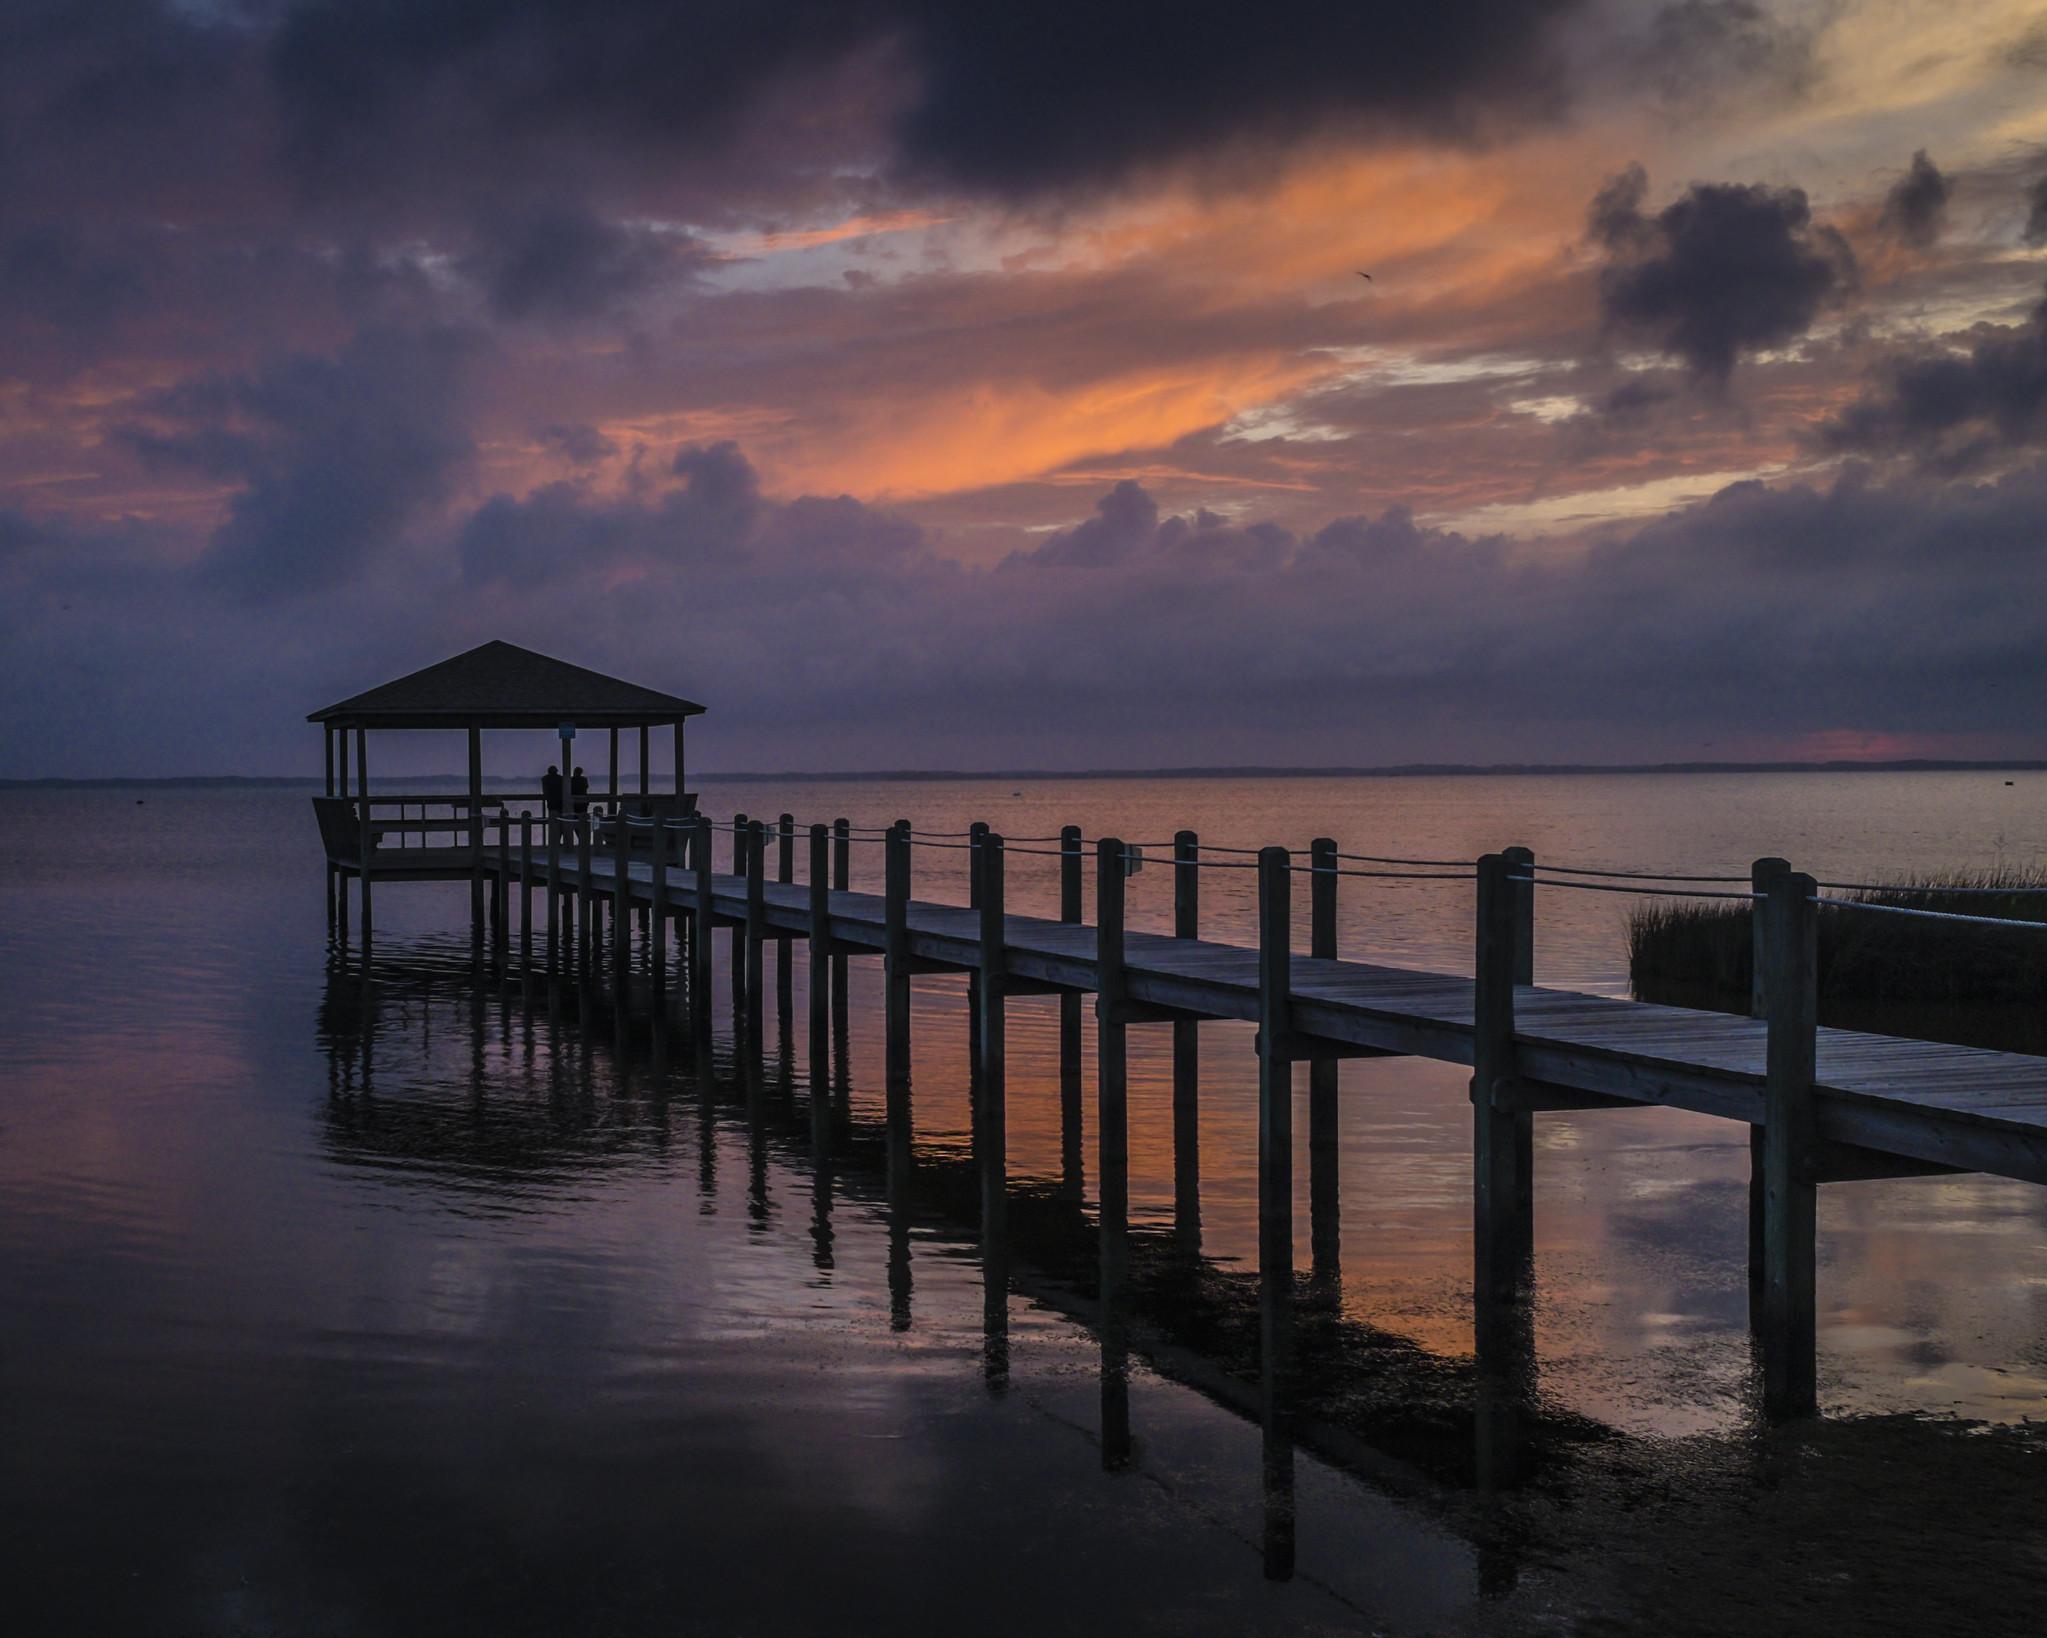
501 685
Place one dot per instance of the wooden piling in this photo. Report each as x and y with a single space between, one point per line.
820 987
992 1146
1276 1202
621 918
785 873
1071 1164
555 962
1112 1146
584 939
1325 1234
896 998
756 931
525 904
1503 1153
700 944
1790 993
369 840
738 951
657 916
1760 874
500 897
475 832
1187 1058
842 882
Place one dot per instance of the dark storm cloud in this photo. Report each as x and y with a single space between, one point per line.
334 456
1953 410
1723 270
1915 209
1008 98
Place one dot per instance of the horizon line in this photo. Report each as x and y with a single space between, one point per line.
1396 770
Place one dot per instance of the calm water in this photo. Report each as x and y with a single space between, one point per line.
388 1306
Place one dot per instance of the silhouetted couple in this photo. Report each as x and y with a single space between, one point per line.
551 791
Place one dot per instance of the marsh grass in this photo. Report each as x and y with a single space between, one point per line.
1702 949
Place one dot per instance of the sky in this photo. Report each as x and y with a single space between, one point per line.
928 385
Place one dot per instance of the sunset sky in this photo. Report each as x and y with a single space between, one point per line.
932 385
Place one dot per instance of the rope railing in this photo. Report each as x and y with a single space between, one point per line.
1928 915
1638 892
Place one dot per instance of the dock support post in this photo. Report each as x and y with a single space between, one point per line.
1325 1207
991 1147
501 897
1791 984
1187 1058
820 988
842 882
785 873
896 1000
555 961
525 906
369 836
756 931
475 834
584 898
738 951
1112 1140
1503 1144
1760 875
1276 1203
1072 1165
657 915
700 946
621 917
977 833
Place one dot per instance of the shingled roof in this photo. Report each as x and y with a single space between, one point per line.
501 685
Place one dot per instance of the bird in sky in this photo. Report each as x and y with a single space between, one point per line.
1366 277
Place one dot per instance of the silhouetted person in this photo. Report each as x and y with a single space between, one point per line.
551 789
579 792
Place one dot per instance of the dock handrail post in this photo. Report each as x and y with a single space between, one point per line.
820 985
992 1147
1503 1132
1276 1202
785 873
895 983
1325 1231
1760 875
1071 1166
1112 1140
1187 1058
526 902
756 927
1791 994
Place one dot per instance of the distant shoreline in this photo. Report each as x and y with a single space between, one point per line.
1405 770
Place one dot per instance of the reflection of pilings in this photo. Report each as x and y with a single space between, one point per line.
1324 1199
1072 1164
1112 1143
1187 1057
1276 1205
900 1313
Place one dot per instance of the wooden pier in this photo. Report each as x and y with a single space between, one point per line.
1823 1105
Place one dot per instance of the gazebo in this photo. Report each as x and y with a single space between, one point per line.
498 685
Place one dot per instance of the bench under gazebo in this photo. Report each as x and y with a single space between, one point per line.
496 686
